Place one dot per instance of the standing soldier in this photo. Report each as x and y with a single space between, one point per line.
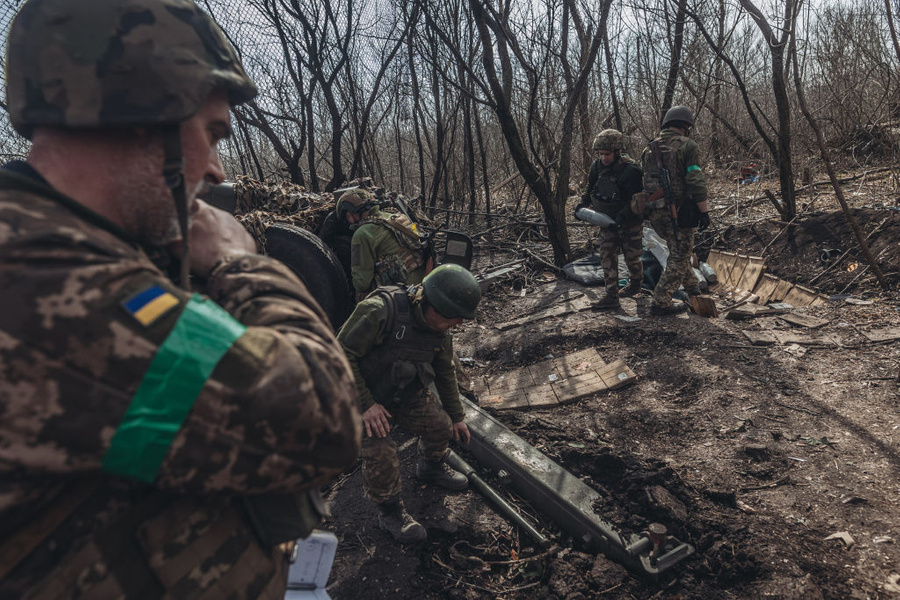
614 178
398 341
385 249
681 158
151 439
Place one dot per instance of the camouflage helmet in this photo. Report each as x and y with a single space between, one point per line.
679 113
116 63
355 200
452 291
611 140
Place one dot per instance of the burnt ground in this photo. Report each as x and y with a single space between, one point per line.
752 454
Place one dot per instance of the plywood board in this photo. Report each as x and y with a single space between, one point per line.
747 311
765 287
883 335
555 381
760 338
720 262
737 271
755 267
704 306
573 388
576 305
803 320
804 339
781 290
801 296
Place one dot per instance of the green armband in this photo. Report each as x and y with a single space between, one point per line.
692 168
200 338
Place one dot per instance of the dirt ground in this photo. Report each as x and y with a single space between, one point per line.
762 452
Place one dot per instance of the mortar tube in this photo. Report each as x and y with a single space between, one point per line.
505 507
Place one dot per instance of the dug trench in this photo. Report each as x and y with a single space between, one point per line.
753 454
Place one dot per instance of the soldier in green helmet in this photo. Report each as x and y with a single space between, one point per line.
681 158
148 433
398 341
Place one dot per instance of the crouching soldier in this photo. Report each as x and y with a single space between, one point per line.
398 342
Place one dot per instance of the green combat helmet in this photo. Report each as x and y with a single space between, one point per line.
353 201
116 63
610 140
452 291
679 113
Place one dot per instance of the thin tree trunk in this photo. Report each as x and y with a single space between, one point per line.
832 175
675 60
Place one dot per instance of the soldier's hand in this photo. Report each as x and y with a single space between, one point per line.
376 421
214 235
461 433
704 222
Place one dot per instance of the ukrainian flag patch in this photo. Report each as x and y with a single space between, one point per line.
149 305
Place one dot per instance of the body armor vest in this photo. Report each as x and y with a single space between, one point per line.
605 196
400 367
669 149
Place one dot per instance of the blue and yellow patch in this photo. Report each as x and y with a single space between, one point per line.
151 304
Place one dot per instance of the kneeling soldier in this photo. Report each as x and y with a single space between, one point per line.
398 342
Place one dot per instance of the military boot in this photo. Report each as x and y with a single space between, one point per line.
393 518
632 289
441 474
671 309
609 300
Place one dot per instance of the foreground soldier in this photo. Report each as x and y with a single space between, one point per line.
612 181
142 427
398 342
681 156
385 249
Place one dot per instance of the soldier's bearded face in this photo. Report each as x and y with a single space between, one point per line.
148 204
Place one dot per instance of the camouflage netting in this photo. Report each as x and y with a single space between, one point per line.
260 205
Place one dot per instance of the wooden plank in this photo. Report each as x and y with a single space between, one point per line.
756 265
803 320
480 385
574 388
718 260
766 287
617 374
760 338
781 290
704 306
883 335
508 383
747 311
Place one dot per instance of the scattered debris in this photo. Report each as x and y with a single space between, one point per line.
893 583
844 536
803 320
883 539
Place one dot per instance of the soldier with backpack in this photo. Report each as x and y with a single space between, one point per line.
679 156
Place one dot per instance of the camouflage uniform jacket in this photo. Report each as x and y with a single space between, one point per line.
374 242
168 407
365 331
686 176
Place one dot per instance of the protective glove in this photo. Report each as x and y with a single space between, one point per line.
704 222
585 201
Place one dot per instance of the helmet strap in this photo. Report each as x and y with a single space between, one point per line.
173 173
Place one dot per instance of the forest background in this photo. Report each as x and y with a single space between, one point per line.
478 109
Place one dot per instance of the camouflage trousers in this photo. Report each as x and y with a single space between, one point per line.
422 416
628 239
678 270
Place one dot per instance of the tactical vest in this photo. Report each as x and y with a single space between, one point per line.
605 196
400 367
394 269
669 150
